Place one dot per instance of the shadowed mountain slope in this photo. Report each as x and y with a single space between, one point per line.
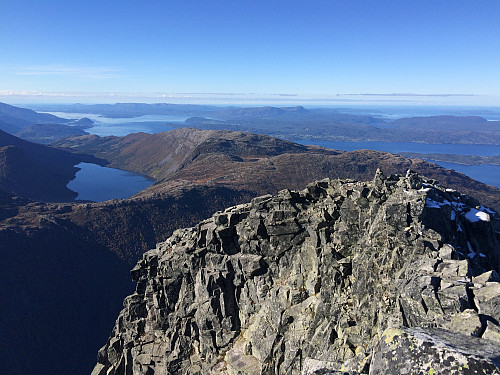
36 171
48 133
65 271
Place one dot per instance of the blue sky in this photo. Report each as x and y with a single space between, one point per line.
98 50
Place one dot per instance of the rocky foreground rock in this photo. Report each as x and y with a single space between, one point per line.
393 276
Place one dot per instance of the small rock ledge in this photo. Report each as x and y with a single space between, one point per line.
392 276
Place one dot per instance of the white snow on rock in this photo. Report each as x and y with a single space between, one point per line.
475 215
430 203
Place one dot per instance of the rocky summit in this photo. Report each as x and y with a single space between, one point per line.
397 275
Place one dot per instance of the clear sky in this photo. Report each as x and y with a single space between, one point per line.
308 48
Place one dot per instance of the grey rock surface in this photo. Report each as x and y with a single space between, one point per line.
434 351
312 281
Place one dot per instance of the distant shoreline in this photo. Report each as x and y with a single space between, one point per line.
454 158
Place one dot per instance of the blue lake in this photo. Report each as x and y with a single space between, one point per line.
486 173
96 183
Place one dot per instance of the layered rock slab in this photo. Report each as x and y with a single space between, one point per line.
309 281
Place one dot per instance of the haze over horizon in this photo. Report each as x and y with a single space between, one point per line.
290 52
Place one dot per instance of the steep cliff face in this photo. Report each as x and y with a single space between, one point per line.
337 277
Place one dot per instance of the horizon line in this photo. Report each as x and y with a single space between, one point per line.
164 94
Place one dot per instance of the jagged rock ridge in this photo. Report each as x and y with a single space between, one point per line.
332 278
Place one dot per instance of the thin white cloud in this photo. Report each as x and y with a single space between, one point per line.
408 94
61 94
89 72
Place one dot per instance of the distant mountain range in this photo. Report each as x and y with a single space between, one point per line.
283 122
341 127
121 110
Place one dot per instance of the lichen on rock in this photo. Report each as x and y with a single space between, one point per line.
313 281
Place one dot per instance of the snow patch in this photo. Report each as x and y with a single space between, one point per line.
430 203
475 215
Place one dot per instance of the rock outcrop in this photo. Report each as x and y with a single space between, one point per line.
391 276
